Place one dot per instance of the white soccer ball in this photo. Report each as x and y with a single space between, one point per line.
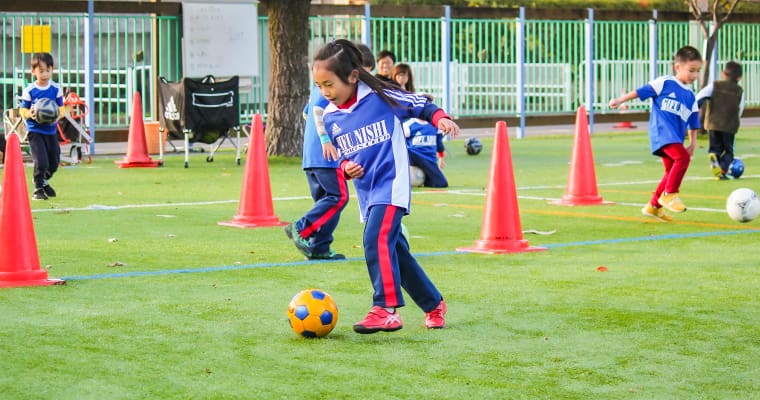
416 176
743 205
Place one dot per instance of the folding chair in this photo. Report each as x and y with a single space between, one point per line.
201 110
13 123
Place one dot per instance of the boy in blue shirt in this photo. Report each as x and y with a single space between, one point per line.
674 112
43 138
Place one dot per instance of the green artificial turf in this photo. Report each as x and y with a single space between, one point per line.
161 302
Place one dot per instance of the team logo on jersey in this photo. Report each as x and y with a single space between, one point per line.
424 140
170 111
366 136
674 107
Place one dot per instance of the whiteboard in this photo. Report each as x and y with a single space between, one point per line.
221 39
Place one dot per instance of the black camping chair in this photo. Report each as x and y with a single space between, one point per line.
202 110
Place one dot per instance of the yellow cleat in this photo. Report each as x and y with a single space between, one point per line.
714 166
672 202
657 213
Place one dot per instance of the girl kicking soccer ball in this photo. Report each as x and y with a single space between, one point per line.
363 121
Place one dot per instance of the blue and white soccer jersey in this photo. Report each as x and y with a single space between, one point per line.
31 94
424 142
370 133
422 138
674 110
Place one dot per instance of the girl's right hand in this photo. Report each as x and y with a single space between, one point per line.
353 169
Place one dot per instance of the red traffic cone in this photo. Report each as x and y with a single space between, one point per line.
502 231
581 186
624 124
255 209
19 259
137 149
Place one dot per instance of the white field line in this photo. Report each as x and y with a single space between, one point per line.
460 192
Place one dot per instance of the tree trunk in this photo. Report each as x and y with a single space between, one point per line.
708 56
289 81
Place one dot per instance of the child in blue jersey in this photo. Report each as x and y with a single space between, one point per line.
363 121
313 233
426 151
43 138
674 112
425 142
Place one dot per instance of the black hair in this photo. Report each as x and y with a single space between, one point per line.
733 70
386 53
368 60
686 54
342 57
46 58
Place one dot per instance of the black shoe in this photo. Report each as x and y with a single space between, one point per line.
330 255
49 191
39 194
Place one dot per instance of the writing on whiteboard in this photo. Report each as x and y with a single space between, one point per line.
220 39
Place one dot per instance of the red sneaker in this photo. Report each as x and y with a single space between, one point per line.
379 319
435 318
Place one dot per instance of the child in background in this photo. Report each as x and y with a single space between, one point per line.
402 75
313 233
674 111
43 138
723 109
425 142
426 151
363 120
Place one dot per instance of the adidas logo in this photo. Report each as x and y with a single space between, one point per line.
672 95
335 129
170 110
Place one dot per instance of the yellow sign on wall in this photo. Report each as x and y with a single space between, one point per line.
35 38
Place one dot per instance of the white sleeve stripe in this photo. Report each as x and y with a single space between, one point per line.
658 84
416 100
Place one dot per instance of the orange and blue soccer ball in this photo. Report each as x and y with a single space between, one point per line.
312 313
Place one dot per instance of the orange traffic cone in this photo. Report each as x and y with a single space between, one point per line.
581 186
255 208
19 259
137 149
502 231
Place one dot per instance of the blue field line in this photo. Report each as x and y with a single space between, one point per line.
430 254
648 238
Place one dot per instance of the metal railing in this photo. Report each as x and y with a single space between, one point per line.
470 65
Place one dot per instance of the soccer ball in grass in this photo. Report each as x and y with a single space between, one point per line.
312 313
45 111
473 146
743 205
416 175
736 169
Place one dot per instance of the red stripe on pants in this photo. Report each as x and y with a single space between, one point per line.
384 257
